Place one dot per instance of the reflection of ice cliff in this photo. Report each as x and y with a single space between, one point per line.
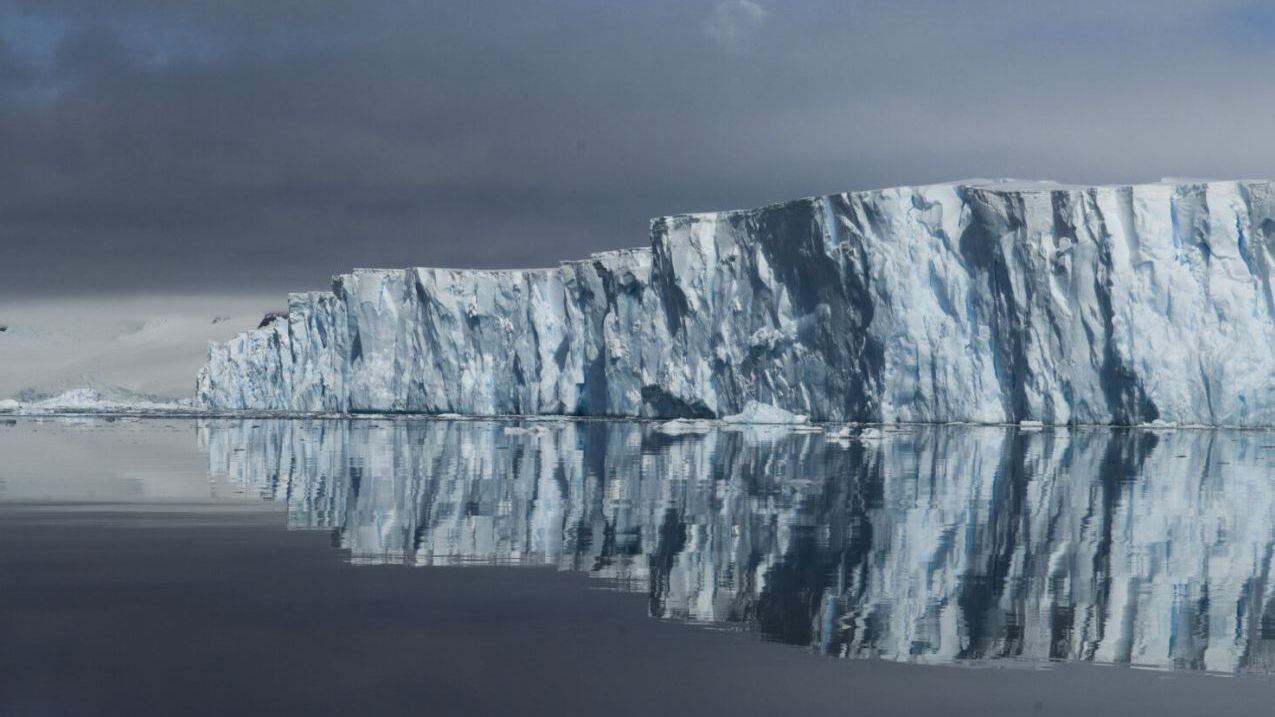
972 301
932 544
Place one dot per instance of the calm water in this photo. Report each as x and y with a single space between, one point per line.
381 565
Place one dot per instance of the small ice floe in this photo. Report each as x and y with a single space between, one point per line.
764 413
839 434
1030 425
9 405
533 430
870 434
683 426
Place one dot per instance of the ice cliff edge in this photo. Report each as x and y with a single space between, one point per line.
982 301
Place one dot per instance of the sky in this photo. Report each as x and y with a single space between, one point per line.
246 146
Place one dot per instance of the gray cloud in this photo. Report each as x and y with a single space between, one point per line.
733 23
236 144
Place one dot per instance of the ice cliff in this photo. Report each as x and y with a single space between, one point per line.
984 301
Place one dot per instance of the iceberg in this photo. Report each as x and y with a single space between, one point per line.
755 412
985 301
684 426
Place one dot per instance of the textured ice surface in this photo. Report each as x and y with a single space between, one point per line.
755 412
978 301
684 426
90 400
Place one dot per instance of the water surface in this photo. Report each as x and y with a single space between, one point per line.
384 565
926 544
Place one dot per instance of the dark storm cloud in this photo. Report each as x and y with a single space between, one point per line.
219 145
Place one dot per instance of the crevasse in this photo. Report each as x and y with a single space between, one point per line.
982 301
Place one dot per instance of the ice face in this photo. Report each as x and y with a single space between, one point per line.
979 301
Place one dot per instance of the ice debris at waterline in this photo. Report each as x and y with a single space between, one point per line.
982 301
91 400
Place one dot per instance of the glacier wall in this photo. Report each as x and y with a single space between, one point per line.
980 301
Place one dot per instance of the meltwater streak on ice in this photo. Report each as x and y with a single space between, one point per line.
980 301
925 544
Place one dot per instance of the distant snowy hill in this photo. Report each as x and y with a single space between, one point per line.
149 346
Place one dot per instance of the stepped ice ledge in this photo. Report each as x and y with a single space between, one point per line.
980 301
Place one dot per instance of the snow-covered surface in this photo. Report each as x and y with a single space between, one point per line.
984 301
89 400
147 345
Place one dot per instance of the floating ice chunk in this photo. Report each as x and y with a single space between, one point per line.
533 430
681 426
761 433
764 413
9 405
842 436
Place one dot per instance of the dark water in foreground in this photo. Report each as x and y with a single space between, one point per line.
142 573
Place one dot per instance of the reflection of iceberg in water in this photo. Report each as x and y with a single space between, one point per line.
932 544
